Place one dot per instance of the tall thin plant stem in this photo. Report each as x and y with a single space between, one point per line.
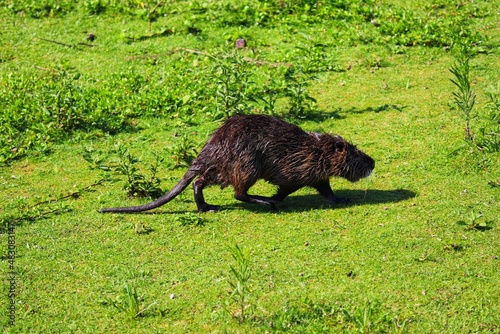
465 98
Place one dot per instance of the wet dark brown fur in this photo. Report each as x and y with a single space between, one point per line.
251 147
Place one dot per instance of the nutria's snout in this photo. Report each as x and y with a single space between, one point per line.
370 167
360 167
369 171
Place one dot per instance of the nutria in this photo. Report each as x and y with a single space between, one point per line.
247 148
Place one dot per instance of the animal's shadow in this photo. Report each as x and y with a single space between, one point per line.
299 203
341 113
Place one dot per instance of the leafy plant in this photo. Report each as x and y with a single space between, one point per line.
488 138
233 86
286 94
314 316
42 109
130 303
403 26
369 318
142 228
183 151
316 58
240 279
139 185
300 103
190 218
152 12
267 100
269 97
94 7
465 98
301 317
96 159
40 9
476 222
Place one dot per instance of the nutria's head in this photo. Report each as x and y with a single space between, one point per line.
348 161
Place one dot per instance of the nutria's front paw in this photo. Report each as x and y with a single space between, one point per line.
209 208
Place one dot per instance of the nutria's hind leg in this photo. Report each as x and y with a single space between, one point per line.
203 206
241 194
245 197
283 192
323 187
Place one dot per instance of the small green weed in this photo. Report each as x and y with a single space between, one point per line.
130 303
370 318
139 185
465 98
42 109
233 83
42 9
96 159
190 218
127 164
317 58
151 11
94 7
488 138
183 151
142 229
240 280
476 221
300 104
303 316
319 317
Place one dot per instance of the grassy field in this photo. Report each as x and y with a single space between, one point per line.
102 103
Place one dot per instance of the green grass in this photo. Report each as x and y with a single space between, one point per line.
416 251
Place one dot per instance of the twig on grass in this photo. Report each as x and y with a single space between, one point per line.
74 194
65 44
46 69
150 14
29 215
164 32
86 44
157 5
26 217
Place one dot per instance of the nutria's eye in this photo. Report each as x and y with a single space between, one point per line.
340 146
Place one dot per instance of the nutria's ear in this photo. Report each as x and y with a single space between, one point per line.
339 146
